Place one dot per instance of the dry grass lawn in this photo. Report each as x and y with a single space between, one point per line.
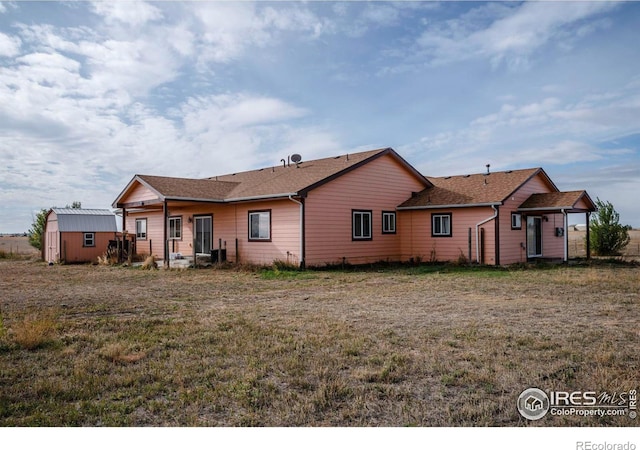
412 346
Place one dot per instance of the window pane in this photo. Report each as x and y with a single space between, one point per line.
366 225
255 226
264 225
357 225
437 225
446 225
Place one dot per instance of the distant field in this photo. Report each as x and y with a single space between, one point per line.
577 244
18 245
414 346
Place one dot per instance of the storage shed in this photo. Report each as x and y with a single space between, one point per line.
75 235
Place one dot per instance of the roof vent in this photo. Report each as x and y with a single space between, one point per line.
466 176
488 173
446 178
509 171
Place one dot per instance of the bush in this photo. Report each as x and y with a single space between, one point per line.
34 331
607 236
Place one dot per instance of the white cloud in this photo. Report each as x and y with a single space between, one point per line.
9 45
227 29
134 13
501 33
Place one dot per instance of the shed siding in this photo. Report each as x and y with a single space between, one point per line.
379 185
73 250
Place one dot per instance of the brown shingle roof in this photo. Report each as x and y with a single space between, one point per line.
263 183
188 188
292 179
554 201
476 189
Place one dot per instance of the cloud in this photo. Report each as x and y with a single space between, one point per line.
133 13
9 45
227 29
505 34
550 131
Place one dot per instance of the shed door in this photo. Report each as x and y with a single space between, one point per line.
52 246
534 236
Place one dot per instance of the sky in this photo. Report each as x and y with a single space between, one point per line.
92 93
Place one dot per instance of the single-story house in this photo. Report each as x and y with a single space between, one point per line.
491 218
77 235
356 208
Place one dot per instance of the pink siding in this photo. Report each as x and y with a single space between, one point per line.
378 186
230 222
417 242
152 245
513 242
140 193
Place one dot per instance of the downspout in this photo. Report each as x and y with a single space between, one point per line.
566 234
478 231
302 249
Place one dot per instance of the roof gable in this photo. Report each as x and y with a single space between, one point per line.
277 181
473 190
568 201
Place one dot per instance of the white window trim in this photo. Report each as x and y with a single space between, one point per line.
140 235
362 214
518 217
439 217
264 215
391 229
175 219
92 238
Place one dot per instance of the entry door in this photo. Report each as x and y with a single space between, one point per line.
534 236
203 234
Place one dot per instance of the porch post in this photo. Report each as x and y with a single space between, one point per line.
124 230
566 235
165 246
588 243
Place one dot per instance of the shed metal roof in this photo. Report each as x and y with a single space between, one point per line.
85 220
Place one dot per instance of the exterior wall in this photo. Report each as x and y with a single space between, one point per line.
230 222
51 239
513 242
140 193
418 243
72 246
153 244
378 186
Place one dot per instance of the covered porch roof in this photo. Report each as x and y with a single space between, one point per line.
559 202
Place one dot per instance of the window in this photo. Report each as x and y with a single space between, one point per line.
141 229
175 228
361 221
516 221
89 240
441 225
260 225
388 222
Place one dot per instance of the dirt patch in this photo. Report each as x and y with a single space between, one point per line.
18 245
413 346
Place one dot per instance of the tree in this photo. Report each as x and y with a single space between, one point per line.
607 236
37 229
